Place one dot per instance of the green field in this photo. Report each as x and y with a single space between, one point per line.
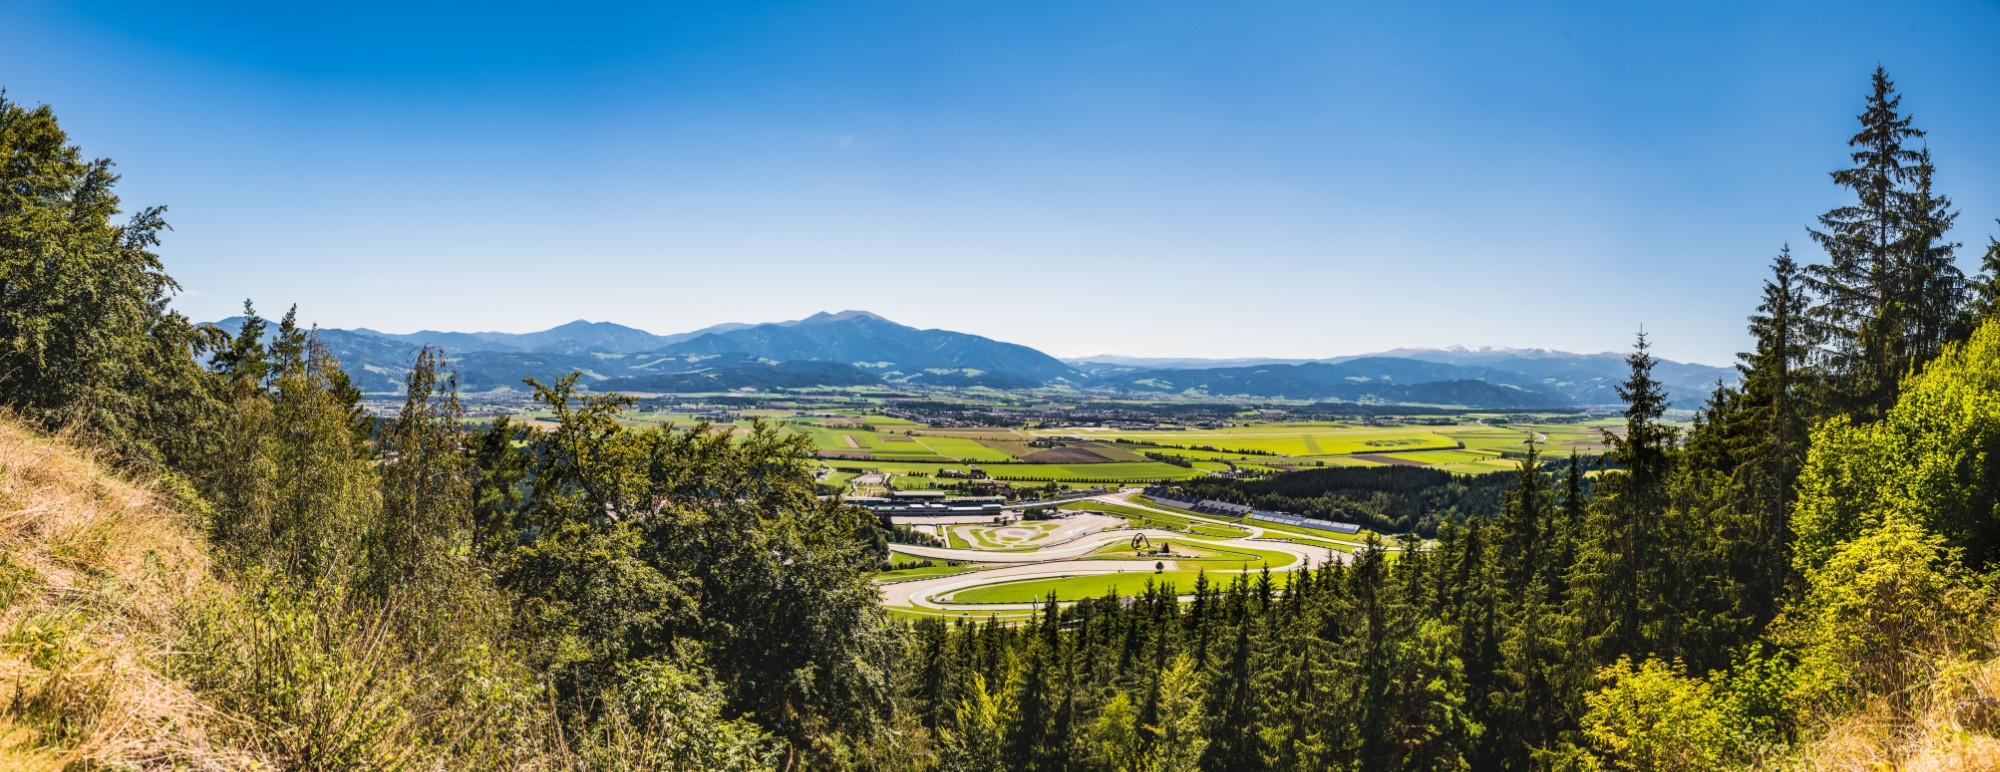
1070 588
1301 439
1122 472
961 448
1136 517
1311 534
921 573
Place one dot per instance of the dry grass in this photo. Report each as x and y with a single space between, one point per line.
1953 725
92 573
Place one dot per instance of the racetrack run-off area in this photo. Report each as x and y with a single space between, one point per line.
1009 570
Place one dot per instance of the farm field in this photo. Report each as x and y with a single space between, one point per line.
1289 440
961 448
858 440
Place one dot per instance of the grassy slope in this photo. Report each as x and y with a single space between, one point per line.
93 575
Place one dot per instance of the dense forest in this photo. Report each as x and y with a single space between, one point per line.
210 557
1388 499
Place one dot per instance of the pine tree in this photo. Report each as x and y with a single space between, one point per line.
1522 527
1773 420
1887 281
1616 582
1982 292
1933 289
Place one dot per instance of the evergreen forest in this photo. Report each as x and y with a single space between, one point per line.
212 558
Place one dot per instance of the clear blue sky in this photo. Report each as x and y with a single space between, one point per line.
1144 178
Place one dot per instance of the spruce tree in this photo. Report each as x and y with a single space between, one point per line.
1522 527
1888 279
1615 583
1933 289
1982 293
1773 419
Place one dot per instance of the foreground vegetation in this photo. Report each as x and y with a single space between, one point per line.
210 557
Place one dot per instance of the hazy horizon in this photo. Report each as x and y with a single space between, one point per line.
1057 353
1159 180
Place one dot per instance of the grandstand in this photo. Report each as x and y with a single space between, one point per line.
1305 522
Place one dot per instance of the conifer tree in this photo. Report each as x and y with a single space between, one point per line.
1982 299
1233 739
1772 419
1521 526
1887 280
1933 287
1616 581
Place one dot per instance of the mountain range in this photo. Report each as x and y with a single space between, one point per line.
854 348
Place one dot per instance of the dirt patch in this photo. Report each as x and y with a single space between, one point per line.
1064 456
894 438
852 455
850 440
1114 452
1016 448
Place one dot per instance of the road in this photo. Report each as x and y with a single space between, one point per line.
1080 536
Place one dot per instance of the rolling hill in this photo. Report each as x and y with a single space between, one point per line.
855 348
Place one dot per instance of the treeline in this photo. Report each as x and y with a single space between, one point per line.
407 594
1801 579
1388 499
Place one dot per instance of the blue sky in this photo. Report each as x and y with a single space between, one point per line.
1141 178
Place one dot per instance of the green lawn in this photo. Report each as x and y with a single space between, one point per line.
919 573
1136 517
1278 528
1070 588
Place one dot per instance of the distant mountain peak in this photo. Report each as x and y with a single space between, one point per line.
824 317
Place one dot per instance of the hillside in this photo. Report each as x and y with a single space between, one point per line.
898 353
1537 377
97 577
854 348
845 349
1373 379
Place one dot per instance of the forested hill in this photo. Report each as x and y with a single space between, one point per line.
898 353
845 349
1502 382
1389 499
856 348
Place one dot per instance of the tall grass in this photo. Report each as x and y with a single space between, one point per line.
92 572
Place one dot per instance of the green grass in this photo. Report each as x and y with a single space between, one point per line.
984 537
962 448
1442 456
1295 439
1118 471
912 613
1275 528
1071 588
1339 546
1138 518
921 573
